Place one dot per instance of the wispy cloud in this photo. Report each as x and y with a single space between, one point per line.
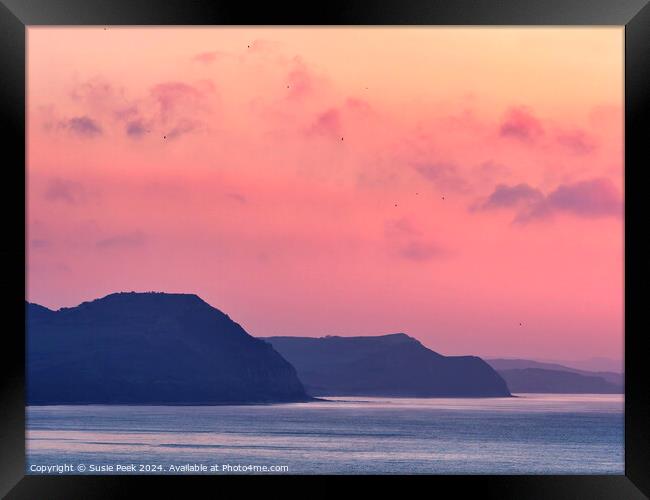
421 251
327 123
170 96
299 79
181 128
409 243
39 243
400 227
136 129
208 57
445 176
591 198
122 240
577 141
239 198
168 108
83 126
62 190
519 123
505 196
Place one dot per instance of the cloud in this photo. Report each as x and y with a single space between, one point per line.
577 141
135 129
96 93
208 57
327 123
39 243
591 198
179 108
99 97
170 95
511 196
83 126
420 251
488 171
520 124
171 108
299 79
358 105
444 176
124 240
181 128
127 112
399 227
64 191
407 243
239 198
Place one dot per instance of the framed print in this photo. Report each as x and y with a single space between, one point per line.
396 242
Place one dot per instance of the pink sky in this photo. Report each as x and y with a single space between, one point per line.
461 185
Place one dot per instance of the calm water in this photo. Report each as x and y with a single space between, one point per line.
538 434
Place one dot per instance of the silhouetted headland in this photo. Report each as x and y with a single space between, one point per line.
151 348
525 375
388 365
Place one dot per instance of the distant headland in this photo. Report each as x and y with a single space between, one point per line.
175 349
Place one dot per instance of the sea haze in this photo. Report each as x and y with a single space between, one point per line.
527 434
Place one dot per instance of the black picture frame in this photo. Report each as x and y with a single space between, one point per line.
16 15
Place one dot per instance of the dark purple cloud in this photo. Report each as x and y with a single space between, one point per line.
590 199
124 240
510 196
83 126
135 129
520 124
169 108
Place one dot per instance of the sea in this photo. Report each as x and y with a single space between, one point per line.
526 434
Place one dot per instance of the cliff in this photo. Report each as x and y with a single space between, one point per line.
150 348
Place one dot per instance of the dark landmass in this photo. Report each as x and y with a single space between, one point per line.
389 365
595 364
151 348
554 381
606 382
